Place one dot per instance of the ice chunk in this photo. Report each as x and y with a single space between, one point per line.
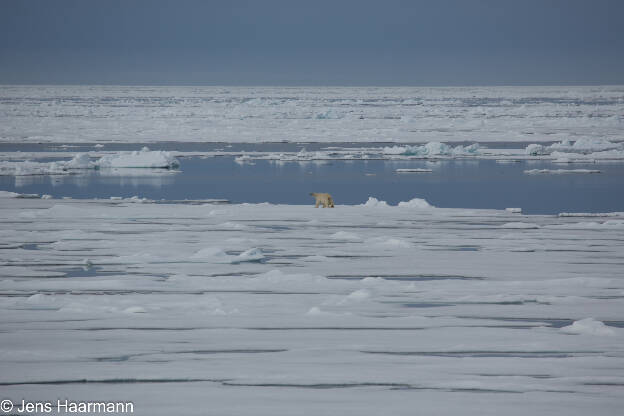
253 254
535 150
594 144
415 203
563 145
558 171
244 159
144 158
389 242
374 203
514 210
356 296
433 149
80 161
588 326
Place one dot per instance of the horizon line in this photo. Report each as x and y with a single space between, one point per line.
307 85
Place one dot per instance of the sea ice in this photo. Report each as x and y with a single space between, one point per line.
437 309
588 326
559 171
535 150
415 203
144 158
433 149
416 170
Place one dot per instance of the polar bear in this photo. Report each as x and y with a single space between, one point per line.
323 199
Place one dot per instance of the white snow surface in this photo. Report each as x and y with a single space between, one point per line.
260 309
131 114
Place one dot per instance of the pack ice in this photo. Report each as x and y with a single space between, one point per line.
260 309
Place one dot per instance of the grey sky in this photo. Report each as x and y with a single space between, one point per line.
314 42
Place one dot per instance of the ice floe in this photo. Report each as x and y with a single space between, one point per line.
582 149
433 149
559 171
144 158
588 326
120 299
415 170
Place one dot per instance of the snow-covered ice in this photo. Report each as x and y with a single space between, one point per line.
144 158
127 114
260 309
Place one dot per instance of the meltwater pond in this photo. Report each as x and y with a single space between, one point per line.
457 183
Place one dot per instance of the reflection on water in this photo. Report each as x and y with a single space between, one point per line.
458 183
132 177
136 177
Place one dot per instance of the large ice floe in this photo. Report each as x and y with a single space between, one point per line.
261 309
581 150
144 158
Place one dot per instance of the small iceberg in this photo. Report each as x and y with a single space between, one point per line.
588 326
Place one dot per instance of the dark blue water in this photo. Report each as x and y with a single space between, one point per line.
452 183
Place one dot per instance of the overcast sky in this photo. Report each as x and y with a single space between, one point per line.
312 42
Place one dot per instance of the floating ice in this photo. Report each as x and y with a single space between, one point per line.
535 150
433 149
558 171
137 159
80 161
417 170
588 326
144 158
592 144
583 149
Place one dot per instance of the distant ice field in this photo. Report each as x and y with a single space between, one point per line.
130 114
